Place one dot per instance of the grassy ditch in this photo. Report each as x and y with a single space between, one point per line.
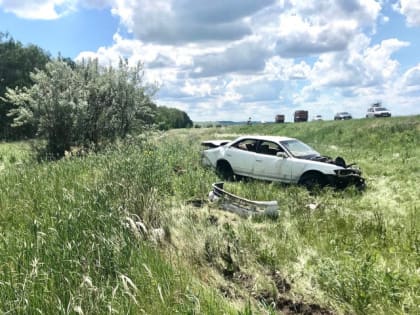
71 243
68 243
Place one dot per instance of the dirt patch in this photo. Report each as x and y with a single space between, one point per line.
244 280
281 284
287 306
212 219
265 297
228 291
197 203
277 299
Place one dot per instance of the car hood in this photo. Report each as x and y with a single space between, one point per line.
338 161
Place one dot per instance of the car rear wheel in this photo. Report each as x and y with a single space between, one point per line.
224 170
313 180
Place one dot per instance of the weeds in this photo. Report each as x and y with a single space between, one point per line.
67 246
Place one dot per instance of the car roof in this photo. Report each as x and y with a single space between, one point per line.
264 138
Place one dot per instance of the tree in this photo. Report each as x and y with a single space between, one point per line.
89 104
172 118
118 102
16 64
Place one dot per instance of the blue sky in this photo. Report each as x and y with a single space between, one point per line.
234 59
84 30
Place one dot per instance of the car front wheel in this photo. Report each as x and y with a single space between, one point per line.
312 180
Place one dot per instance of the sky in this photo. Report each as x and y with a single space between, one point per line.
235 59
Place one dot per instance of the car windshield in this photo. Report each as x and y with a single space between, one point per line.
380 109
299 149
344 113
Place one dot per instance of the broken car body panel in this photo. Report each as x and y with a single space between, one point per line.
242 206
281 159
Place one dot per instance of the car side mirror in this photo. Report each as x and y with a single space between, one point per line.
282 155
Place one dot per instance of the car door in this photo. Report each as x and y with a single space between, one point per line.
270 166
241 156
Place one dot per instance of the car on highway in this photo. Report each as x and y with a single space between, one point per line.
376 112
342 116
279 159
300 116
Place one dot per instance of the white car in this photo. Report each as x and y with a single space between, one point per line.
342 116
376 111
279 159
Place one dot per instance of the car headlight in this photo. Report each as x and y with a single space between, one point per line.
345 171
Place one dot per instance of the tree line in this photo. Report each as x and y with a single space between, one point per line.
70 104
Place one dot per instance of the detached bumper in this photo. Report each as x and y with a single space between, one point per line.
242 206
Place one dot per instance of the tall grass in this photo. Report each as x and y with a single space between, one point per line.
67 245
70 243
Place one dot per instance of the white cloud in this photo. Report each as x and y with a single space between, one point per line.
50 9
183 21
362 66
408 85
314 27
286 69
353 79
411 10
299 38
231 59
42 9
412 77
244 57
364 12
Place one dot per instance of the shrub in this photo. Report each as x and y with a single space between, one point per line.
86 105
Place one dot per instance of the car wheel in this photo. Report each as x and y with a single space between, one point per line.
224 170
312 180
360 185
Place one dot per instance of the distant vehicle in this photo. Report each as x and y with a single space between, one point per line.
279 159
375 111
342 116
317 118
279 118
301 115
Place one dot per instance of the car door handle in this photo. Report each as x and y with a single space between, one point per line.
258 160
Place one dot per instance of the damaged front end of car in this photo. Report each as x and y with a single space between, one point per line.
346 175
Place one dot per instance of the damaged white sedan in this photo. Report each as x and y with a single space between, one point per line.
279 159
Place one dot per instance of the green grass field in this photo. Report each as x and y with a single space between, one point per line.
70 241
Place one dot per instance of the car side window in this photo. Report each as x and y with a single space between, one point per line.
246 145
269 148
